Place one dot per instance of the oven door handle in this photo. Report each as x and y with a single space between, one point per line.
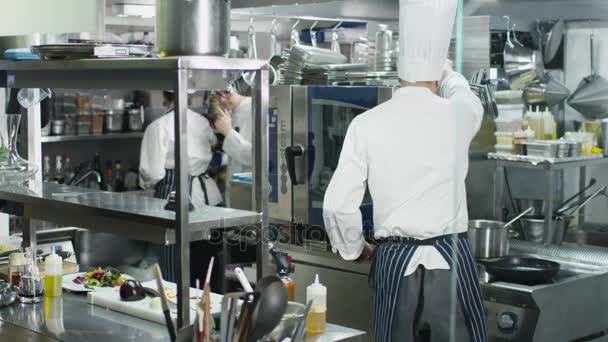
291 153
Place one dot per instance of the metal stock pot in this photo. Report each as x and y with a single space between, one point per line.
489 239
193 27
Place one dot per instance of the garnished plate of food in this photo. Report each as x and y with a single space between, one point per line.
96 279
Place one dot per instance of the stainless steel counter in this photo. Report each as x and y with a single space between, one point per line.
132 216
575 296
71 319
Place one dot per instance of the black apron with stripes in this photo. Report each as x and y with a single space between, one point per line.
162 189
388 269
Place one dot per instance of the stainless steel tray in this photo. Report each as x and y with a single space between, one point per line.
534 160
80 51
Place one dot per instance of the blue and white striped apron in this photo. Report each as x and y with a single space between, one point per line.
388 269
162 189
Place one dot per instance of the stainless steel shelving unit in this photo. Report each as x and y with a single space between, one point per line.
549 170
110 136
138 217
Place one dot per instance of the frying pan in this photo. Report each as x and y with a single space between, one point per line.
521 270
270 308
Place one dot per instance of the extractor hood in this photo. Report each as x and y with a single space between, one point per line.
26 17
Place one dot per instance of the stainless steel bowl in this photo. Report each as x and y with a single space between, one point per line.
293 315
8 294
534 226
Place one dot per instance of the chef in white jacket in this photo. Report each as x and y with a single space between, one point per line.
157 171
412 154
157 158
235 123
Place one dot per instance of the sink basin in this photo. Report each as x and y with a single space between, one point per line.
67 191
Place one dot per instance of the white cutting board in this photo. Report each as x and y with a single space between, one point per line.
109 298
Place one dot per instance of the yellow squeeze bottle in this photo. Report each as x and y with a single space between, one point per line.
316 319
53 267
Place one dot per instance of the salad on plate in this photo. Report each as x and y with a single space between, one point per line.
100 278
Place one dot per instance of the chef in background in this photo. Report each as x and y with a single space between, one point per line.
418 190
235 124
157 156
157 170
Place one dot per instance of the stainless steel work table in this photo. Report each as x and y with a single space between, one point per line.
549 170
71 319
133 216
99 211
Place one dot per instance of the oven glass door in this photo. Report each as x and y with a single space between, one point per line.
330 112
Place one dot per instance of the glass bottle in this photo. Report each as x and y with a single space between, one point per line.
58 170
17 267
118 185
13 168
46 169
68 173
30 284
290 285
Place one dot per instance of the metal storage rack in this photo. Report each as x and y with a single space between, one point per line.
549 170
139 217
109 136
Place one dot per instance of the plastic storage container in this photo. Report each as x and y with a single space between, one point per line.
541 149
511 111
504 138
519 140
504 149
508 125
537 124
586 139
16 267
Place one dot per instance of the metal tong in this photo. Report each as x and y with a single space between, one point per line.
576 207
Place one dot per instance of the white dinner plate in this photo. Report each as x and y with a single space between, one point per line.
67 283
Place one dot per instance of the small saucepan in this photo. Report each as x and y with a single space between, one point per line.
490 239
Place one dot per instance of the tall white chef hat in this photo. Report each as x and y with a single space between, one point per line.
425 31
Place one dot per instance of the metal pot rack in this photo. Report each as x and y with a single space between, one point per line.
133 216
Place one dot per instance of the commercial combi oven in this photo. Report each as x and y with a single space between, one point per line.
307 129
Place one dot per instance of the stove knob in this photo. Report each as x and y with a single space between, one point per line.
506 321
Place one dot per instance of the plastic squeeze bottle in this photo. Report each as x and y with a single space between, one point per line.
53 267
315 321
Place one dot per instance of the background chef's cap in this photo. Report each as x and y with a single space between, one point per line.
425 31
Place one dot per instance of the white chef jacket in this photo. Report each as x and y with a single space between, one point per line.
412 153
158 154
237 145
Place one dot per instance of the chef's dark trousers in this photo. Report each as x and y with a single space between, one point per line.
418 307
423 309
